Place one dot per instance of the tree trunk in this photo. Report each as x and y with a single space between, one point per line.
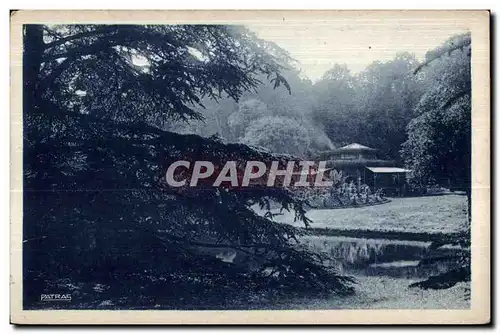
32 56
468 191
33 47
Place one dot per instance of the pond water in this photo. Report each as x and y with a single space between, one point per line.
376 257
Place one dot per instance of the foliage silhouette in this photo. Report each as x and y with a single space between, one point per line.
96 209
438 148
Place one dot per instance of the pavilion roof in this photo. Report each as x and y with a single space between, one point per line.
388 170
356 146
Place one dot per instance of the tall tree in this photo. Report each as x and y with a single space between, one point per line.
280 135
248 111
372 107
335 107
388 94
96 98
438 148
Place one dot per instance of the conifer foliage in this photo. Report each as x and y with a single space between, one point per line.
96 209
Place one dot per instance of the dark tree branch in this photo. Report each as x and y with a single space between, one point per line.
61 41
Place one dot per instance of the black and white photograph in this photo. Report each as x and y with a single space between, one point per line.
267 163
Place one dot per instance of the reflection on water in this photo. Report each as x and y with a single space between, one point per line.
376 257
395 264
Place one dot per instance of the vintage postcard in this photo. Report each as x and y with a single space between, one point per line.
250 167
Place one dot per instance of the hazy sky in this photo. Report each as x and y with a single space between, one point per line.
317 46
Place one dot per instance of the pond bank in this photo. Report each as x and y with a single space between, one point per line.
371 234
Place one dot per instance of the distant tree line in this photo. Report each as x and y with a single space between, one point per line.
416 113
372 107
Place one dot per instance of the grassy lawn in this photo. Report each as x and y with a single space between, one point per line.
432 214
387 293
